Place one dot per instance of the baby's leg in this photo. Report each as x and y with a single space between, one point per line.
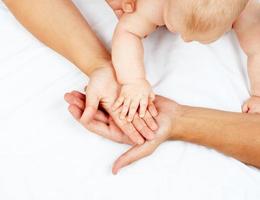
253 104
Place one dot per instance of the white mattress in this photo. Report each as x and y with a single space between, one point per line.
45 154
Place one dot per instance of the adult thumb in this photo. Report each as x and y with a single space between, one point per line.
92 102
134 154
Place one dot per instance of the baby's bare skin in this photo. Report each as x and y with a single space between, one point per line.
128 52
247 28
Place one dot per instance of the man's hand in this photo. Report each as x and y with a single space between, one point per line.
166 119
122 6
102 91
101 124
105 126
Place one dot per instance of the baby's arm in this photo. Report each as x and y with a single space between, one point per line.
128 60
247 28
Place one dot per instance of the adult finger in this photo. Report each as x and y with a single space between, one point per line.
150 121
127 127
130 131
134 154
101 128
142 128
75 111
78 94
92 102
115 129
75 100
152 109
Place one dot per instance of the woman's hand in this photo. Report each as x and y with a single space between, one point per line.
122 6
102 91
104 126
101 124
169 111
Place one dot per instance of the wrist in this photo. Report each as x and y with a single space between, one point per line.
179 122
95 65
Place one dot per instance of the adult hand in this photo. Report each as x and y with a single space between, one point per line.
103 124
102 91
122 6
167 120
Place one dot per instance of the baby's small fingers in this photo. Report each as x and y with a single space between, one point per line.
152 109
143 107
133 109
118 103
125 108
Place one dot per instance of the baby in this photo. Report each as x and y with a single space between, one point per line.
195 20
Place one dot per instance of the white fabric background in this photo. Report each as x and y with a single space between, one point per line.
45 154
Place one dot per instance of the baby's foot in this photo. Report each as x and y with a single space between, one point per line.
252 105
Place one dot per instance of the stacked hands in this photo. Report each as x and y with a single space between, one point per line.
94 111
123 113
119 103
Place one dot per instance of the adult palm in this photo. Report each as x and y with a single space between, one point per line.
104 125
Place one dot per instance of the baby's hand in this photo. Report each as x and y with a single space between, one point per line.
137 94
252 105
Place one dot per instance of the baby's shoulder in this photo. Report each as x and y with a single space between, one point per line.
151 9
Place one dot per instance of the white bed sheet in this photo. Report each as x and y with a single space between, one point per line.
45 154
